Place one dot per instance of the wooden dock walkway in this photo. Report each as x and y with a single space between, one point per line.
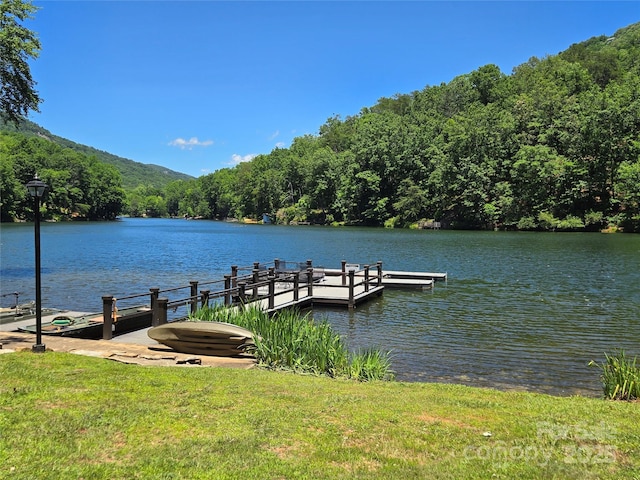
348 286
271 287
329 291
282 284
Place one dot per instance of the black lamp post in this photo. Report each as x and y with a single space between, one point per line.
37 188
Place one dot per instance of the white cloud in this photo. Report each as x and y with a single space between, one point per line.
189 144
235 158
274 135
280 145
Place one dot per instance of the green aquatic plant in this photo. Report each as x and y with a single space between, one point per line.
293 341
620 376
371 364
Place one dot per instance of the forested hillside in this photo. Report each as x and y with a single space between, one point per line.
80 187
85 183
133 173
553 145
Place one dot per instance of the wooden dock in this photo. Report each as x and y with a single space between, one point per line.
273 287
348 286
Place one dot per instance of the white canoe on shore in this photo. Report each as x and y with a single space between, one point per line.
203 338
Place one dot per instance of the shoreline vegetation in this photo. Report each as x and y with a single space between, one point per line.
620 376
69 416
289 340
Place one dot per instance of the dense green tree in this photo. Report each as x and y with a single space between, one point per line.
411 203
486 81
79 186
106 194
11 191
17 46
220 190
628 193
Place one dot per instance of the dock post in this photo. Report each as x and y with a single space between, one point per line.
310 282
379 265
155 292
272 273
242 295
352 276
234 276
194 295
256 279
107 311
204 298
227 290
162 305
366 278
296 286
272 289
344 269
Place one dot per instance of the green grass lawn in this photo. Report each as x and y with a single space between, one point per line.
68 416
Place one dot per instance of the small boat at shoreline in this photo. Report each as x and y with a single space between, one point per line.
23 311
91 325
218 339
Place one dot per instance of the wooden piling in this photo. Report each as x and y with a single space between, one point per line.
296 286
194 296
272 289
242 295
162 305
155 293
366 278
352 276
310 282
107 317
204 298
227 290
234 276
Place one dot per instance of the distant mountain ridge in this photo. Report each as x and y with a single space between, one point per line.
133 173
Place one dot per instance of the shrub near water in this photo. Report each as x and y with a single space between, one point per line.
620 377
290 340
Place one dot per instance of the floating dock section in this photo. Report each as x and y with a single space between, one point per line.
395 278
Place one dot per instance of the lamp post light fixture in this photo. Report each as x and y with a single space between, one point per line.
37 189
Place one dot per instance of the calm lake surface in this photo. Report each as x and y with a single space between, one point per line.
519 311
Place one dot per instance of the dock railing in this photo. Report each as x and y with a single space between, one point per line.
346 268
273 286
110 310
355 277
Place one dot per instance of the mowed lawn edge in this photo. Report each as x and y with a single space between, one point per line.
70 416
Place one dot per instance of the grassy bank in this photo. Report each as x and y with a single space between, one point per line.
68 416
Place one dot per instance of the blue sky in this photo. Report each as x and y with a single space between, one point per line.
198 86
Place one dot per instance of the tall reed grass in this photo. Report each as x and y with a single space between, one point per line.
291 340
620 376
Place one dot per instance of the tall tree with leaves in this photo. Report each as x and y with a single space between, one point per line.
18 44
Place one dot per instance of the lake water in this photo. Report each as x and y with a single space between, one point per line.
519 310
